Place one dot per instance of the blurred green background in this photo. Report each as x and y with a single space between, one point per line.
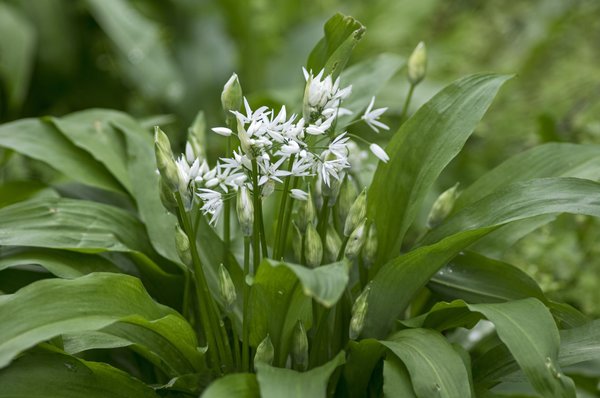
166 60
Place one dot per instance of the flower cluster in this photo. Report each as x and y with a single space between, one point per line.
275 146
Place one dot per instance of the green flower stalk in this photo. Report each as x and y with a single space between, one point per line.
417 64
356 241
265 352
245 211
313 247
226 287
442 206
306 213
359 313
356 214
297 242
299 347
167 198
182 243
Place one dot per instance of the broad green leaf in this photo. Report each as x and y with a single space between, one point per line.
526 327
90 130
333 51
435 368
396 379
362 357
399 280
443 316
325 284
62 263
42 141
580 344
278 289
45 309
419 152
523 200
478 279
143 55
17 191
367 78
17 50
63 376
279 382
548 160
242 385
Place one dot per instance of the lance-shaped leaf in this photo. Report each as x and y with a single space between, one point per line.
278 382
399 280
420 150
435 369
333 51
396 379
48 308
242 385
53 375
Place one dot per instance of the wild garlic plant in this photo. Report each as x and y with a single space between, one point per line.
300 155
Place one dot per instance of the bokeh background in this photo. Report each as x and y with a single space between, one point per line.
163 61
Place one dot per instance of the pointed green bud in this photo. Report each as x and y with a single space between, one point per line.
197 136
369 250
297 242
267 189
333 243
313 247
265 352
306 213
356 241
166 196
359 312
300 347
226 287
245 211
245 141
182 243
231 97
442 206
348 193
164 159
357 213
417 64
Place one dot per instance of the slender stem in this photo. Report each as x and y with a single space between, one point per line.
282 206
203 294
245 336
286 223
257 216
323 218
342 248
236 344
263 236
407 102
227 218
186 294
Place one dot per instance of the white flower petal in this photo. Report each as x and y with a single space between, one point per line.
379 152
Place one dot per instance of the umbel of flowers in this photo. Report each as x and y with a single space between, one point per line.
302 155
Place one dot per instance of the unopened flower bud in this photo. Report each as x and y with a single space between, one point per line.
442 206
245 142
226 287
369 250
356 241
313 247
231 97
297 242
164 159
197 136
166 196
348 193
333 243
306 213
357 213
265 352
245 211
417 64
182 243
300 346
359 312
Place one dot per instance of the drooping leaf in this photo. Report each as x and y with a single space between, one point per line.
242 385
333 51
478 279
580 344
526 327
396 379
51 307
40 140
397 282
435 368
63 376
419 152
279 382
